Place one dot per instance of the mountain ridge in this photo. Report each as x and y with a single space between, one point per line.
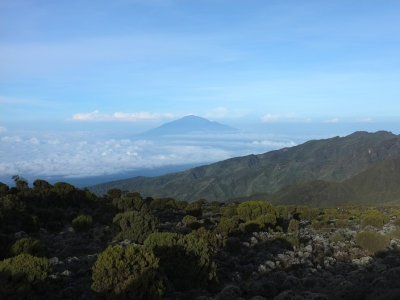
334 159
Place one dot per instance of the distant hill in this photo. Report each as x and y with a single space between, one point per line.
189 125
329 160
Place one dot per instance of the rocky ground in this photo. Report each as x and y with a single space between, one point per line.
261 265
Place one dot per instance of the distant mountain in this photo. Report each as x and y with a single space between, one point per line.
189 125
329 160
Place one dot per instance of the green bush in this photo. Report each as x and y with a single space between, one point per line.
163 203
207 235
185 259
373 218
132 201
250 226
22 276
250 210
134 225
229 210
341 223
30 246
190 221
395 234
293 225
194 209
227 226
266 221
372 241
128 273
337 237
82 223
307 213
316 224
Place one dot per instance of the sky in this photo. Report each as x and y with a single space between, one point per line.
76 76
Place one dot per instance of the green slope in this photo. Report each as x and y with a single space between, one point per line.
379 184
335 159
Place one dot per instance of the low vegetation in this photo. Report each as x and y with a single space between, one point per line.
61 242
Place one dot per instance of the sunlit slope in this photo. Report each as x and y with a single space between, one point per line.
334 160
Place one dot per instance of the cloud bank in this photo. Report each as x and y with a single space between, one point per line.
80 154
97 116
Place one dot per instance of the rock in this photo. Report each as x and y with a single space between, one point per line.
362 262
262 269
253 241
288 295
54 261
66 273
379 267
291 282
258 298
308 248
20 234
229 292
72 259
270 264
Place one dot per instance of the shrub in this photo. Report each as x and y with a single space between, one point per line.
287 241
194 209
163 203
114 193
30 246
250 210
227 226
293 225
341 223
395 234
185 259
250 227
132 201
208 236
337 237
190 221
372 241
82 223
307 213
319 224
22 275
229 210
128 273
134 225
374 218
266 220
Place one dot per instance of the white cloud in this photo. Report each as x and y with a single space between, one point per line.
11 139
3 129
268 118
92 116
96 116
78 154
365 120
333 120
271 118
34 141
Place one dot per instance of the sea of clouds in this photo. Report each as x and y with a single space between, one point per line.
84 154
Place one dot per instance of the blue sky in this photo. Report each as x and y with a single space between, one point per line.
95 65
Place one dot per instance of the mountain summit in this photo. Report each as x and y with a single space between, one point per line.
190 125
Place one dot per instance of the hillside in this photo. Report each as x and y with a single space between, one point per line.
334 160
